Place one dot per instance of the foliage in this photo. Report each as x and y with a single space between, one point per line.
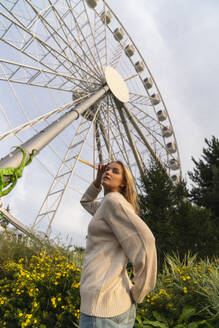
186 295
178 225
206 178
40 288
15 245
42 292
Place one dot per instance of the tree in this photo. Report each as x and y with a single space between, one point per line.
205 175
177 224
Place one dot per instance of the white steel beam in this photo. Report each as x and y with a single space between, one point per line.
41 139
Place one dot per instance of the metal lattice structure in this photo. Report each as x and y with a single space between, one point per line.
53 65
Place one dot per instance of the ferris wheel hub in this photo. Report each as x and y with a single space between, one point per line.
116 84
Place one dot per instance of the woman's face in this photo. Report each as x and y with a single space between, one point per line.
112 179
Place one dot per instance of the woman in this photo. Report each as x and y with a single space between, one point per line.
115 234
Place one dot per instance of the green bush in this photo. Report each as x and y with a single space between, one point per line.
43 292
186 293
39 288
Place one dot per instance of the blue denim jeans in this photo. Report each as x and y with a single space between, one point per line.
124 320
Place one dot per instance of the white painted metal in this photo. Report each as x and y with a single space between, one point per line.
44 137
18 224
116 84
64 48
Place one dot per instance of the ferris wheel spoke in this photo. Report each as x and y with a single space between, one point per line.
146 115
131 77
93 37
115 139
81 85
84 40
62 24
105 34
55 32
31 39
152 133
139 99
118 52
140 133
131 142
34 122
54 52
117 125
106 140
31 73
98 142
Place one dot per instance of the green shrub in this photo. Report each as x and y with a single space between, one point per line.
43 292
185 292
39 288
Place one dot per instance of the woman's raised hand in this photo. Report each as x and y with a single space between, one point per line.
101 169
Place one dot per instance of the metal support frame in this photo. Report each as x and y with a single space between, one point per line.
41 139
104 134
135 125
17 224
98 143
131 142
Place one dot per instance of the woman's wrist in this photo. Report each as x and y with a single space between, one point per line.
97 184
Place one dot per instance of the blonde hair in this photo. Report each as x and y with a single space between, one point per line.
129 190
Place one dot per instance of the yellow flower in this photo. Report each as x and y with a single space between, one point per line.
53 300
185 290
20 314
28 316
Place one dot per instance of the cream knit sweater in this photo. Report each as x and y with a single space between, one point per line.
115 234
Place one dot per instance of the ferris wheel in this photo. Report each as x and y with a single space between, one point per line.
77 90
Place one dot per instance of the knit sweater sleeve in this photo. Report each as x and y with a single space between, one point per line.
137 241
88 200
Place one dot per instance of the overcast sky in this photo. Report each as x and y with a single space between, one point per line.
179 41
